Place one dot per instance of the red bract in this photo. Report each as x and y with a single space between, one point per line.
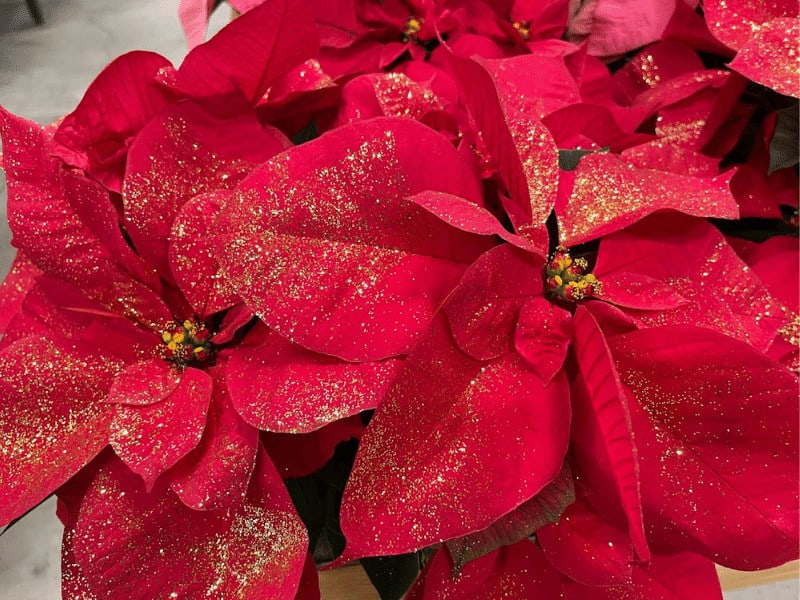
253 550
328 245
705 284
765 35
103 351
769 261
135 88
523 571
607 194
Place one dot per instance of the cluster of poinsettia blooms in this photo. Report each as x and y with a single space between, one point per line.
503 226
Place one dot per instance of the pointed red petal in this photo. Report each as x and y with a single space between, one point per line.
126 539
542 337
312 244
191 258
716 434
459 444
609 195
55 235
605 453
191 148
279 386
215 475
150 439
769 57
52 417
251 52
144 383
118 103
483 310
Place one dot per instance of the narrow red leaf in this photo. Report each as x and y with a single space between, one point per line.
718 449
605 450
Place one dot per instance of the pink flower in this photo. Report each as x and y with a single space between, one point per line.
613 27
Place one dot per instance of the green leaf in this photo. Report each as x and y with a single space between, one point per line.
568 159
306 134
545 507
392 575
783 149
318 498
305 494
756 230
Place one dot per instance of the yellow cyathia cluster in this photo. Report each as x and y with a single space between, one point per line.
568 279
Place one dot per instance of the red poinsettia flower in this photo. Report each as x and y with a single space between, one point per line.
497 430
158 367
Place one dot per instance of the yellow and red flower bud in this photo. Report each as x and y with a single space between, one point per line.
186 343
566 277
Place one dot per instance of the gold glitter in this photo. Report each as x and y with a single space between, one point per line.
609 194
220 555
772 56
52 417
400 96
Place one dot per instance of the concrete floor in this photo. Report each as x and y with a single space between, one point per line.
43 73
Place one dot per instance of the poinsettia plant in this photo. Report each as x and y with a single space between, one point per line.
498 298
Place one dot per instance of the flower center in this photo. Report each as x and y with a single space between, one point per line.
567 278
412 27
523 28
186 343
